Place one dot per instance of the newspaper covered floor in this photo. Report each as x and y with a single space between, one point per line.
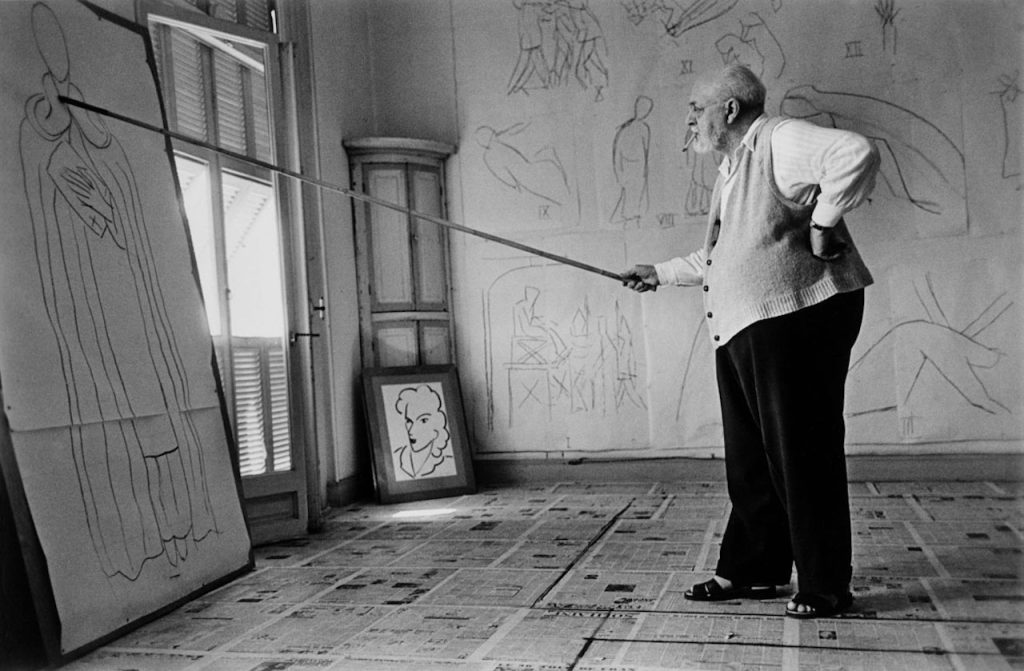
590 577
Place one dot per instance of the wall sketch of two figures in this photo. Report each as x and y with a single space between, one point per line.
559 41
140 469
568 358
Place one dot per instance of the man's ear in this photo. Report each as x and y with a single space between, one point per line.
732 110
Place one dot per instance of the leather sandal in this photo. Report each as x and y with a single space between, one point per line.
712 591
818 605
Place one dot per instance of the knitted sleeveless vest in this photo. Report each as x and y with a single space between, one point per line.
759 263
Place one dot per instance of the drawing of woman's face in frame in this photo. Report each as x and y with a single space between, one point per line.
425 421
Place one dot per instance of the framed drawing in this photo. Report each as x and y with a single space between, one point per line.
418 440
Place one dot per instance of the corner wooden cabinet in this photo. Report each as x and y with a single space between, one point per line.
402 260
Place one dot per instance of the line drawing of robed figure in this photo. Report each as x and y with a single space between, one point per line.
136 451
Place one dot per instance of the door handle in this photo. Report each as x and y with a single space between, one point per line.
294 337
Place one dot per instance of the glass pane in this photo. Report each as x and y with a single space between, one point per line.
258 325
389 233
225 10
431 287
253 251
261 142
280 429
238 92
395 344
195 190
188 83
434 344
227 77
250 427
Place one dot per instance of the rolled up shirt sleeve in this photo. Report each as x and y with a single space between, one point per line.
841 163
682 271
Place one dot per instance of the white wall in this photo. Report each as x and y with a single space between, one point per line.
599 371
343 93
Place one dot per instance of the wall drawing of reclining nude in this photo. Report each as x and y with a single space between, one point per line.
113 330
536 173
549 352
934 354
920 163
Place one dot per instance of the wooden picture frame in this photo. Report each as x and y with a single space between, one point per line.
418 441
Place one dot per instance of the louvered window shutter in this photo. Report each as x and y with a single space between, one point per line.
278 389
185 82
230 100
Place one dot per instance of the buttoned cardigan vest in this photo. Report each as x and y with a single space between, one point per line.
759 263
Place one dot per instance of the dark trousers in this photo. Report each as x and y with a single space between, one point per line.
781 382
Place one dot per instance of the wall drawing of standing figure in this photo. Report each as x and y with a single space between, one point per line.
590 69
117 349
631 149
531 69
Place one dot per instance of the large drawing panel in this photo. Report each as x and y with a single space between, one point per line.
116 424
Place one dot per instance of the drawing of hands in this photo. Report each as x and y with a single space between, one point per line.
95 204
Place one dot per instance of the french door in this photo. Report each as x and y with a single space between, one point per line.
221 84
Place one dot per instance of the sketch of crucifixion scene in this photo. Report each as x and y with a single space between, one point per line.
94 250
943 355
560 42
555 352
418 431
921 164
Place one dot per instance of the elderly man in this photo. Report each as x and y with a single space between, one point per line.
783 288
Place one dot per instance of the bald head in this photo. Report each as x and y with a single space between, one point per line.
722 107
739 82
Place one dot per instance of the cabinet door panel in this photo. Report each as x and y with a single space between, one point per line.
391 257
428 243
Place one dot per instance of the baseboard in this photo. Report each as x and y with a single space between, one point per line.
347 490
861 468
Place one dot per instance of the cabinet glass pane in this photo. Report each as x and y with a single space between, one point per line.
395 344
389 241
431 287
434 343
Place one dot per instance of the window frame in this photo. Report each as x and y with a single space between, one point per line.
208 150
